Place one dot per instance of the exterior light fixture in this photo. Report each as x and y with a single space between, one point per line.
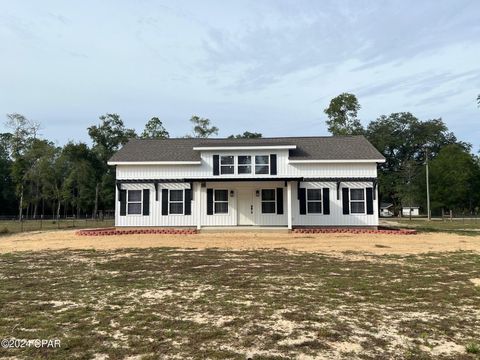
232 193
257 193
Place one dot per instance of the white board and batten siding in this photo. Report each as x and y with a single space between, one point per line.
285 169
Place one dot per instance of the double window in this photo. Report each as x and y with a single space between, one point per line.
220 201
314 201
227 164
268 201
357 201
134 202
175 202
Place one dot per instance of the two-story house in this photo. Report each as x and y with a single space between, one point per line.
286 182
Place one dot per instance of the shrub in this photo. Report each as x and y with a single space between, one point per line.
473 348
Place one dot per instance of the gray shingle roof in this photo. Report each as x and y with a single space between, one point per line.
308 148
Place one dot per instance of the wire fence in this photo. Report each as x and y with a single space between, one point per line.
10 225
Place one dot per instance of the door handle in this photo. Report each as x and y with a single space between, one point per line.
251 209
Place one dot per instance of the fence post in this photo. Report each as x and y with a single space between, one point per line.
21 223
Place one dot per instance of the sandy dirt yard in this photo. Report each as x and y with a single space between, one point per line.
371 243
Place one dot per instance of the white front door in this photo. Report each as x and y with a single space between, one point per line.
245 206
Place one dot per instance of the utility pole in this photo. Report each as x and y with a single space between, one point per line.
428 186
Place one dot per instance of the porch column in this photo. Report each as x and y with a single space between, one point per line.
198 204
289 204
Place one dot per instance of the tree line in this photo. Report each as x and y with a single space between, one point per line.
408 144
38 177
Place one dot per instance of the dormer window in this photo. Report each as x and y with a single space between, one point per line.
227 164
262 164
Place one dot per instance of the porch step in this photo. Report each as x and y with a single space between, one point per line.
257 229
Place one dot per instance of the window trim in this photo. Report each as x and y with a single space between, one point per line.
221 166
238 165
315 201
268 201
176 201
364 201
221 201
135 202
267 164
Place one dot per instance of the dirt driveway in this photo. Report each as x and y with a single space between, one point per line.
335 243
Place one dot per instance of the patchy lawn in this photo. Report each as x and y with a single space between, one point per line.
228 304
459 226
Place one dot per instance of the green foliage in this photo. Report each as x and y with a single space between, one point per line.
472 348
246 135
404 140
154 129
109 135
455 179
342 115
202 127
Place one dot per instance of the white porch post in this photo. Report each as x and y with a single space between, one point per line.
198 204
289 204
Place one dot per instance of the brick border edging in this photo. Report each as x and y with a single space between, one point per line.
113 231
353 231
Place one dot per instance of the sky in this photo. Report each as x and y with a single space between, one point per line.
263 66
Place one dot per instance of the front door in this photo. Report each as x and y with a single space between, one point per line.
245 206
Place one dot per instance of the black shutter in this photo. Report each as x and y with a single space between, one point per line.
188 201
164 201
216 165
146 202
303 200
345 201
209 201
370 201
326 201
273 164
123 202
280 201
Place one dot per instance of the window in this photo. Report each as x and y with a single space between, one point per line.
244 164
227 165
268 201
134 202
220 201
357 201
262 164
314 201
176 202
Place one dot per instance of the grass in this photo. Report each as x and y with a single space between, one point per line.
13 226
462 227
216 304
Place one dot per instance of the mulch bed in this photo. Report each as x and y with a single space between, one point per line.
114 231
354 231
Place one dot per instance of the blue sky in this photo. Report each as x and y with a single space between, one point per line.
265 66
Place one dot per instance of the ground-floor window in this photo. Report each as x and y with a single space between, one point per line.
357 201
268 201
314 201
134 202
220 201
176 202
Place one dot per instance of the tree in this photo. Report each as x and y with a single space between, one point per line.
7 188
202 127
23 133
342 115
403 139
246 135
107 137
454 179
154 129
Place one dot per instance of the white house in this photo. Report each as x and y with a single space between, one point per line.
286 182
411 210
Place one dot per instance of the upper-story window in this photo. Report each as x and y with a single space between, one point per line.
244 164
227 164
262 164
